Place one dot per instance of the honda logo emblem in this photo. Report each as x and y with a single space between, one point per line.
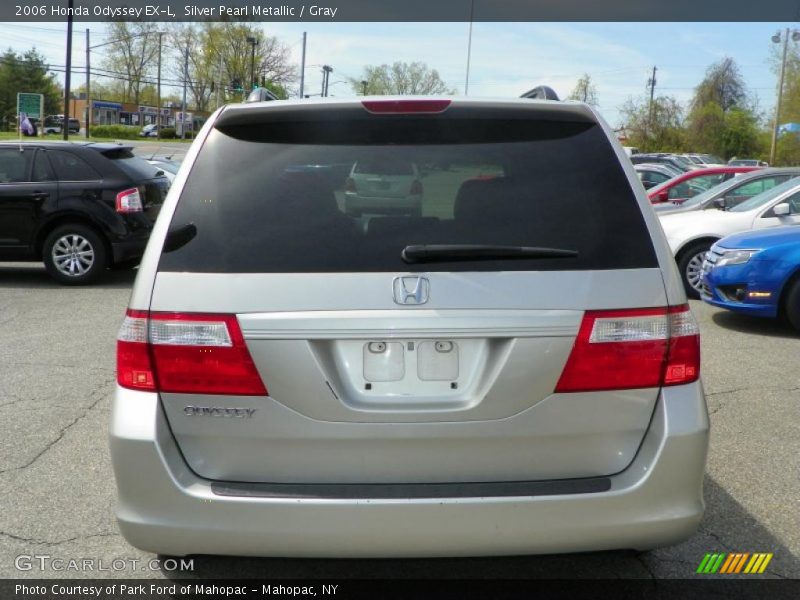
411 290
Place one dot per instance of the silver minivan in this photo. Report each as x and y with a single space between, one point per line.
512 369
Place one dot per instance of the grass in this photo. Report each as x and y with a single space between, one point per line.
14 136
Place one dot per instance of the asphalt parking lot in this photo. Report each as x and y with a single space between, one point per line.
57 489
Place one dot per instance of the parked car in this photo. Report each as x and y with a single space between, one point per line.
730 193
756 273
55 124
77 207
166 164
706 160
681 163
691 235
747 162
506 374
380 186
653 174
150 130
681 188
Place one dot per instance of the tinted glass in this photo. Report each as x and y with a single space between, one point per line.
14 165
70 167
258 208
42 171
137 168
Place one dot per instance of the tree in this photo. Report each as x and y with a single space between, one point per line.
663 133
722 120
401 78
585 91
723 85
133 55
26 73
222 54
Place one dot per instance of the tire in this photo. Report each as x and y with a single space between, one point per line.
690 264
792 305
74 254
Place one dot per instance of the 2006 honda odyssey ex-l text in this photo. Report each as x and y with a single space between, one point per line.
512 369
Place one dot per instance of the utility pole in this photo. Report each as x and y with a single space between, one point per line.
774 144
252 41
469 45
158 89
303 67
68 69
326 75
88 95
185 82
363 88
652 83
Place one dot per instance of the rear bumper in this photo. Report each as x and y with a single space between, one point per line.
128 250
163 507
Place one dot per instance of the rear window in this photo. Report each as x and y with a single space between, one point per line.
280 199
137 168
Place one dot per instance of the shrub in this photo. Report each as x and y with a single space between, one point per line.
124 132
167 133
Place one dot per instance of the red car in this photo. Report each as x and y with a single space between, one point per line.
679 189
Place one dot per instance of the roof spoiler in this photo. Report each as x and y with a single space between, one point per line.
261 94
541 92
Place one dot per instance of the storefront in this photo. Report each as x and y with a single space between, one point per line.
106 113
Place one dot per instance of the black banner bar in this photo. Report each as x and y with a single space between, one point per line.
405 10
734 587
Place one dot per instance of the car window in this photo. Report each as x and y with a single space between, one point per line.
14 165
760 185
255 210
42 170
135 167
794 203
71 167
376 166
704 182
766 197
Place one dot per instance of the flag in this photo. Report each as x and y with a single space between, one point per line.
25 124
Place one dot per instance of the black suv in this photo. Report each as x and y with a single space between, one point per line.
79 207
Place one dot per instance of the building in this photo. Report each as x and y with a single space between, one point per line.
105 112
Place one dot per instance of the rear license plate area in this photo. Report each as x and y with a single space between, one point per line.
408 360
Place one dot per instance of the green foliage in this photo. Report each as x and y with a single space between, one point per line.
740 135
119 132
787 151
585 91
401 78
167 133
26 73
664 132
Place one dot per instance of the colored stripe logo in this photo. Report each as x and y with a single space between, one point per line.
735 562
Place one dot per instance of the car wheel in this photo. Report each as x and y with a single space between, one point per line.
690 264
74 254
792 305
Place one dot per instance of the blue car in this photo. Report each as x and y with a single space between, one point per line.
756 273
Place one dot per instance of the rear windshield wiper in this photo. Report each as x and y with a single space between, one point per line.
453 252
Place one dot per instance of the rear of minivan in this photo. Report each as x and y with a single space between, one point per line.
512 369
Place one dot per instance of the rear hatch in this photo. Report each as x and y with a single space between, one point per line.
448 365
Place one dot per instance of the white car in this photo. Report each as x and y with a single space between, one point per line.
379 186
691 234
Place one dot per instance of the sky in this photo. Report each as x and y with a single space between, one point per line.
506 58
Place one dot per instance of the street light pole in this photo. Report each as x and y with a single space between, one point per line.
158 89
252 41
68 69
88 94
777 39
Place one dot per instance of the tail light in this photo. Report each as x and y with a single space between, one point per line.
129 201
416 188
628 349
350 185
188 353
430 106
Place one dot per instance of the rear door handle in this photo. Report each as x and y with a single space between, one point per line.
40 195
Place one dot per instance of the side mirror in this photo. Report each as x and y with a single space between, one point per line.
781 210
662 196
721 203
